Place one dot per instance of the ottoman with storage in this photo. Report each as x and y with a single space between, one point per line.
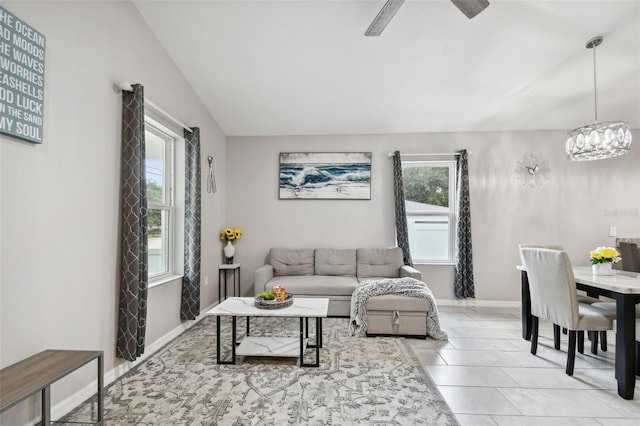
390 314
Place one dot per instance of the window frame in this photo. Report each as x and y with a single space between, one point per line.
451 214
168 244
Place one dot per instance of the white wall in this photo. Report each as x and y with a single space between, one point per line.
59 200
575 207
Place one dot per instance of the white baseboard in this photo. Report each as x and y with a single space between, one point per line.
479 303
68 404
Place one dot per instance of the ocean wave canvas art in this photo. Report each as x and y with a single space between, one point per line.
325 175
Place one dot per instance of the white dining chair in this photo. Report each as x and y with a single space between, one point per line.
581 298
554 298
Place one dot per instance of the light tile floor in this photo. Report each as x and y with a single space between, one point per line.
488 376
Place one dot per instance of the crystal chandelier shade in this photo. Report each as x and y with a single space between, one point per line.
598 140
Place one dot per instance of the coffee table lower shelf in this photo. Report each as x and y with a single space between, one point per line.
286 347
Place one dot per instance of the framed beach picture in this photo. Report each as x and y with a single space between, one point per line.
325 176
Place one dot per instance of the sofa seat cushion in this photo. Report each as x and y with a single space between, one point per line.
384 262
315 285
341 262
292 261
362 280
393 302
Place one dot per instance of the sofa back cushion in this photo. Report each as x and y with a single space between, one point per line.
337 262
291 261
379 262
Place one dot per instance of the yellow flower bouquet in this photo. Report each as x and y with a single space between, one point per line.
604 255
230 234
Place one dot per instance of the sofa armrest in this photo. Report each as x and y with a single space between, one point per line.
261 276
409 271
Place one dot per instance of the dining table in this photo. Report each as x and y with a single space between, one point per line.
624 288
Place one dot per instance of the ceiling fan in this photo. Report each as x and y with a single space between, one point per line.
469 7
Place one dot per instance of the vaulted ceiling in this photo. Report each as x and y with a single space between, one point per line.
305 67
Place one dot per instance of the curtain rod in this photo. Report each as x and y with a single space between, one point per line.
126 86
390 154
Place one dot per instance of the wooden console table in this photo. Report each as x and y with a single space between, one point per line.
36 374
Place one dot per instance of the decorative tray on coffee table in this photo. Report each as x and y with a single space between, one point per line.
275 303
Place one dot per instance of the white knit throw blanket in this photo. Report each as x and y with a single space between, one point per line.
409 287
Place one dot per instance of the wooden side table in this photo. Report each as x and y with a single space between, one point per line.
223 272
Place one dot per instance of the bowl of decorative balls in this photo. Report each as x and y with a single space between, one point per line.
268 300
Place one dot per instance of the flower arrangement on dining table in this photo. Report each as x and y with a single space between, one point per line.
604 255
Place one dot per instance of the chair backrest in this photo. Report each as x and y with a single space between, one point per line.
552 286
547 246
630 256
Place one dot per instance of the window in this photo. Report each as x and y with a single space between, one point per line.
429 191
159 162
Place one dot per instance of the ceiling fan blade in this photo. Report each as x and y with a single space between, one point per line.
471 7
383 18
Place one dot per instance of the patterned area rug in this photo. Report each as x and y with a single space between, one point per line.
361 380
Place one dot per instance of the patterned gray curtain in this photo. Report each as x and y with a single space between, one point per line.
133 268
463 286
190 305
402 234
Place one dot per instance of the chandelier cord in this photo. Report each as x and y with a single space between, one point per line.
595 90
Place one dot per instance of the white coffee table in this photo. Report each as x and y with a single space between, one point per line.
303 308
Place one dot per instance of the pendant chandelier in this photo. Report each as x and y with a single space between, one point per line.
598 140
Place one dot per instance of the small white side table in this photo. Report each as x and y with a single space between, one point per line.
223 272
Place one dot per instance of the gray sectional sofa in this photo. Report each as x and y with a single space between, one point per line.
332 273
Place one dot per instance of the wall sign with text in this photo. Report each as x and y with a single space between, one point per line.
22 51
